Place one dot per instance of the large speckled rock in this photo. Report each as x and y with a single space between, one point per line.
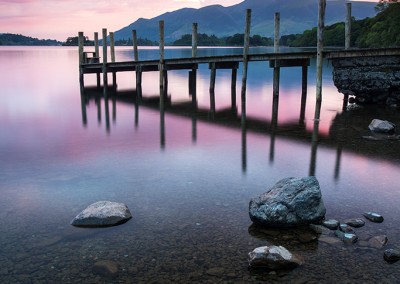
102 214
290 202
381 126
273 258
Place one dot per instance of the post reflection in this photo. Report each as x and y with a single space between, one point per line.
274 126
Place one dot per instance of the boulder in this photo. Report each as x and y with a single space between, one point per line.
381 126
290 202
273 258
102 214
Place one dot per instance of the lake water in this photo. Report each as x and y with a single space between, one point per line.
187 180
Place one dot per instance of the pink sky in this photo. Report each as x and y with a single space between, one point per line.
59 19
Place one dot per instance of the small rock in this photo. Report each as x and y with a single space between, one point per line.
307 238
319 229
378 242
345 228
331 224
381 126
391 255
329 240
106 268
373 217
355 222
102 214
273 258
346 237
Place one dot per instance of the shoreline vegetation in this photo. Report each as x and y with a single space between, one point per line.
383 30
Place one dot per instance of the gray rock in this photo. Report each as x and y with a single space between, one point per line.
290 202
329 240
273 258
345 228
102 214
346 237
373 217
355 222
391 255
378 242
106 268
381 126
331 224
319 229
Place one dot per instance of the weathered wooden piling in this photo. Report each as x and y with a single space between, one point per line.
161 66
304 81
112 50
246 46
80 52
277 70
135 46
97 54
213 74
320 47
193 72
348 26
105 77
233 89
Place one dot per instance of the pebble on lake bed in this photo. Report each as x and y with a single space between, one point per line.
355 222
391 255
373 217
273 258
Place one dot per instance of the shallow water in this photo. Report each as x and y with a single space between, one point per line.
187 180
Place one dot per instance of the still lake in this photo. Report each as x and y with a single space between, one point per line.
186 180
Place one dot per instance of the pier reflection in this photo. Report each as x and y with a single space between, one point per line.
341 136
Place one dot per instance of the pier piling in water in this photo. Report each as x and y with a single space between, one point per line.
277 69
246 46
320 47
97 55
348 26
104 68
135 46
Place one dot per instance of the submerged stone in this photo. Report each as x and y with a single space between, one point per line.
355 222
102 214
378 242
290 202
106 268
345 228
331 224
391 255
273 258
346 237
373 217
319 229
381 126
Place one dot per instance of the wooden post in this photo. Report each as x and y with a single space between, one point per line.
98 104
112 49
233 90
212 77
80 51
161 64
107 114
277 70
139 83
105 79
245 63
97 54
276 33
303 93
320 47
135 46
348 26
244 148
80 43
194 40
314 147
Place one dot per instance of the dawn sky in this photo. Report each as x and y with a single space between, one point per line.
56 19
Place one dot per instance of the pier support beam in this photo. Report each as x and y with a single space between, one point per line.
320 47
348 26
135 46
304 79
193 73
105 77
80 51
245 64
277 70
112 49
97 54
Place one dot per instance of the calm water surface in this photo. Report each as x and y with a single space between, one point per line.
186 179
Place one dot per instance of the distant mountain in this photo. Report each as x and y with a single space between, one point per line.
16 39
296 16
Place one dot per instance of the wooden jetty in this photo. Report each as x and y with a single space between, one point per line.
90 63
